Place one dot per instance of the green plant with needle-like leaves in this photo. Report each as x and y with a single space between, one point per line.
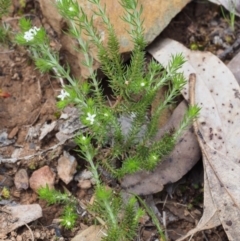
5 5
4 9
69 216
120 133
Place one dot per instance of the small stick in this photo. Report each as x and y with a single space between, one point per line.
119 98
192 84
30 230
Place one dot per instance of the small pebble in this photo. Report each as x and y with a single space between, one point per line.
21 179
37 234
42 177
19 238
67 166
214 23
16 76
83 175
217 41
84 184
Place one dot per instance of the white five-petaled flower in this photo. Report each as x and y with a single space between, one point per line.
90 117
63 95
31 33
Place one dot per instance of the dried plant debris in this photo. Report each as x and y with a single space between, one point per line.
218 94
4 140
12 217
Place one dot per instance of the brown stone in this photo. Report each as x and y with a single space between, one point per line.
66 168
84 184
42 177
156 14
21 179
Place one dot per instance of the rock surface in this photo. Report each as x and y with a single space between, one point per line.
42 177
84 184
156 14
67 166
21 179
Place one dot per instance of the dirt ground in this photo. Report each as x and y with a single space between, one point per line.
32 102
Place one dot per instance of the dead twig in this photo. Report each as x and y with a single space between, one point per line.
30 230
15 159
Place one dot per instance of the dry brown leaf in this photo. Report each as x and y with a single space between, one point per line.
184 156
12 217
46 129
218 94
92 233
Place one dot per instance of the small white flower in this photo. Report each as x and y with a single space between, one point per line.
90 117
69 223
63 95
102 36
28 36
154 157
31 33
34 30
143 84
71 9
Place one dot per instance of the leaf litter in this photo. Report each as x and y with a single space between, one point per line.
217 129
12 217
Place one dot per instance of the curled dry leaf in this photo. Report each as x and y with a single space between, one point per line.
218 94
46 129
